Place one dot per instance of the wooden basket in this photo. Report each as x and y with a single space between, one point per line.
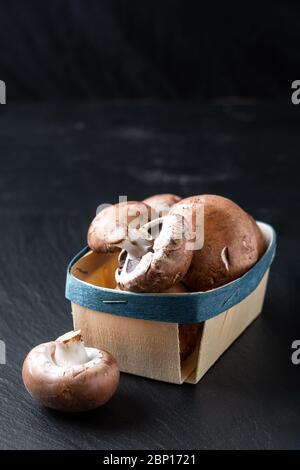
141 330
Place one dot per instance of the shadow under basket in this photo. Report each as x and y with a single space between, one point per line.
142 330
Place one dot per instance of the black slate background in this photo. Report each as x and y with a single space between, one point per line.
115 49
58 162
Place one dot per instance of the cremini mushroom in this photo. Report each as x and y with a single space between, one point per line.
65 375
159 260
117 223
233 242
162 203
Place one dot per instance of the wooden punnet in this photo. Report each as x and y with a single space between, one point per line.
141 330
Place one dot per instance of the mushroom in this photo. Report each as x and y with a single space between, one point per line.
233 242
158 261
117 223
65 375
162 203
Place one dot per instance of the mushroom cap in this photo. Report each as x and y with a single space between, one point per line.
110 226
161 267
233 243
76 388
162 203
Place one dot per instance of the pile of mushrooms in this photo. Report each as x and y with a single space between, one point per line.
65 375
154 254
153 257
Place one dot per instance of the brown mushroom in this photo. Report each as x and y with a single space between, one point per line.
116 223
233 242
66 375
162 203
159 261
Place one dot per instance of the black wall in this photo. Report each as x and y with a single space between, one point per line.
140 49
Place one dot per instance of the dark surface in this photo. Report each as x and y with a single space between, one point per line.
115 49
57 164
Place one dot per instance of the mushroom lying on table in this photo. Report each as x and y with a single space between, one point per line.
67 376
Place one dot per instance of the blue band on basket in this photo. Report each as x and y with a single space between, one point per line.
175 308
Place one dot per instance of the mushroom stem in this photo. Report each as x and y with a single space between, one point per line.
70 350
137 248
138 243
